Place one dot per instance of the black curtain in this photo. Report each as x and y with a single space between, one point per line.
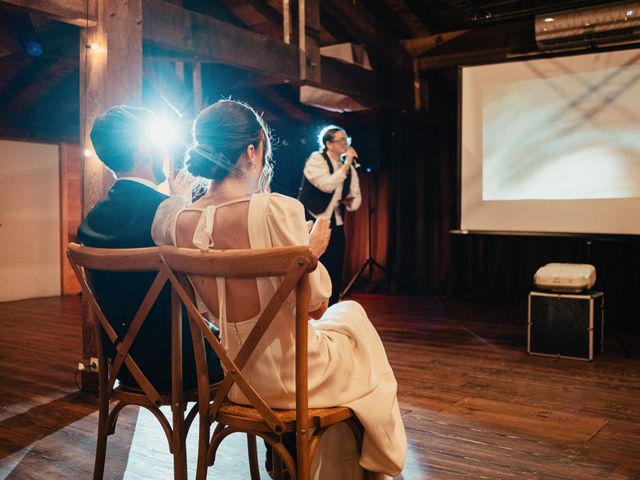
423 257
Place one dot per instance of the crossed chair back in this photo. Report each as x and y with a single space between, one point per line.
292 265
84 260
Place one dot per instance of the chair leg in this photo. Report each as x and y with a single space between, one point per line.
179 445
252 451
303 462
101 442
203 444
278 470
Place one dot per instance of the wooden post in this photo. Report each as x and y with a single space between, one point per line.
417 94
70 211
286 21
198 101
308 33
110 74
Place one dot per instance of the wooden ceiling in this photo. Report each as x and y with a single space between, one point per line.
39 96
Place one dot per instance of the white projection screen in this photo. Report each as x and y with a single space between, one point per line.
552 145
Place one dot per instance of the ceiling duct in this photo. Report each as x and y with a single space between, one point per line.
615 23
328 100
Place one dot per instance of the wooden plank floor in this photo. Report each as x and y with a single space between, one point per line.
475 405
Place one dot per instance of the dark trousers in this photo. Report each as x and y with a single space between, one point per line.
333 260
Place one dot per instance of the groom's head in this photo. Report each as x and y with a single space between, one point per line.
120 141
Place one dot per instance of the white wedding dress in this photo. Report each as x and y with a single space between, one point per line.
347 362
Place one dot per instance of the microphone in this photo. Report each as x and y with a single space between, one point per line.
355 163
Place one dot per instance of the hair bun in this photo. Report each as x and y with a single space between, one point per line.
199 154
205 161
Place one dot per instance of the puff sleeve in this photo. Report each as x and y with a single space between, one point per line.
287 226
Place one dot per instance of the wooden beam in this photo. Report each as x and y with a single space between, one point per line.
286 22
478 45
207 40
27 76
421 45
308 34
196 78
74 12
213 41
272 15
70 211
289 107
423 12
365 86
368 29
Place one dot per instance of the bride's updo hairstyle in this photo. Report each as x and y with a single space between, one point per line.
221 134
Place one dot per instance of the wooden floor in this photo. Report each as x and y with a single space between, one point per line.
475 405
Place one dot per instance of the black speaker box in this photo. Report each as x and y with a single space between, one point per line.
566 325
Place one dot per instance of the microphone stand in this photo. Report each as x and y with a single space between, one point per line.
369 262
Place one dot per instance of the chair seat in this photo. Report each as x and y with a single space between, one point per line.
136 396
248 418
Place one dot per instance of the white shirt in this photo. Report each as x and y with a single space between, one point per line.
317 172
163 227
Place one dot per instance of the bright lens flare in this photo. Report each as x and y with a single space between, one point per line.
162 131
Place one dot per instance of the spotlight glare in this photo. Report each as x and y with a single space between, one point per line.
88 153
549 19
163 131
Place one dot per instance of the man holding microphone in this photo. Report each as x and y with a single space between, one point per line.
330 186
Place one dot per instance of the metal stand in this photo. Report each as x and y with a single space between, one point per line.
369 262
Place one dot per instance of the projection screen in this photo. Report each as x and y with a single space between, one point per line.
552 145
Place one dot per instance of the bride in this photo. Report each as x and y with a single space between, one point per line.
347 362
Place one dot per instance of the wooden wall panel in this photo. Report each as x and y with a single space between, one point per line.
70 211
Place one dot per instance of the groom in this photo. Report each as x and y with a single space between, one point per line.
123 219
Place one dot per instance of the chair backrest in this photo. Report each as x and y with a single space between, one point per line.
293 264
86 260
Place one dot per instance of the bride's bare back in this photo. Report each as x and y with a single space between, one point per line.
229 232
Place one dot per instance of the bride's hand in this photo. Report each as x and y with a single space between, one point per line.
181 184
319 236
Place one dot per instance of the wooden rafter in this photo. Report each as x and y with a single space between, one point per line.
201 38
419 46
476 45
206 39
290 108
364 26
209 40
25 78
272 15
423 12
68 11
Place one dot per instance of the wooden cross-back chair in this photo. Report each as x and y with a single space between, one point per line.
84 260
293 265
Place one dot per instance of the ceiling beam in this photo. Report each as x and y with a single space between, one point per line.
422 11
368 29
205 39
208 40
68 11
272 15
478 45
26 77
289 107
421 45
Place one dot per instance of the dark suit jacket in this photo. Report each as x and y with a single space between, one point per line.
122 219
